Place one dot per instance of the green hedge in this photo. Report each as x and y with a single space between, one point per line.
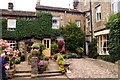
114 37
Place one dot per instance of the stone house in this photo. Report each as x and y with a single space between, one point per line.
97 14
61 17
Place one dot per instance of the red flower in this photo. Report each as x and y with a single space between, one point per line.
60 43
59 49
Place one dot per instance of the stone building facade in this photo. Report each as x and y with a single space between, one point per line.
97 14
61 17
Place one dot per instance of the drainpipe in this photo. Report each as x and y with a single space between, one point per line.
91 21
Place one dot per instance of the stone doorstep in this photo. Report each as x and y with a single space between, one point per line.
22 75
29 71
53 71
49 74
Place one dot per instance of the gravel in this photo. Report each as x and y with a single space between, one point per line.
92 68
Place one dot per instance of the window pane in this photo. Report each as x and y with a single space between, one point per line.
11 23
55 22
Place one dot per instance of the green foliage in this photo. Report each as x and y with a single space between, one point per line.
93 49
106 57
17 61
114 36
37 28
54 47
74 36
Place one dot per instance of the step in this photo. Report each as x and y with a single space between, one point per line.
29 71
22 75
49 74
53 71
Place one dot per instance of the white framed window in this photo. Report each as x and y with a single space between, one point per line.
102 44
115 6
88 21
12 43
11 24
98 13
85 2
55 22
78 23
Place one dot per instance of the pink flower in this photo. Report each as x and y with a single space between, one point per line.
40 63
14 57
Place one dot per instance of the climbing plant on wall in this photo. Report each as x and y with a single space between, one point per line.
114 37
37 28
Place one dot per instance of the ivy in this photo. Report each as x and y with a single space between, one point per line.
114 36
37 28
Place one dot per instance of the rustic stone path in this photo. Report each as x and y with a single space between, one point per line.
92 68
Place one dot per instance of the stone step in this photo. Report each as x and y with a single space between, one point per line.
29 71
53 71
22 75
49 74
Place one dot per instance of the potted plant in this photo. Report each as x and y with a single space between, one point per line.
22 58
80 51
54 48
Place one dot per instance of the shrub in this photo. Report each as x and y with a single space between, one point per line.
74 36
93 49
17 61
54 47
22 58
105 57
114 37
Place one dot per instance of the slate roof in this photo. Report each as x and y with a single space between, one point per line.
6 12
57 9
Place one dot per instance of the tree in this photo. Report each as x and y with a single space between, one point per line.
114 36
74 36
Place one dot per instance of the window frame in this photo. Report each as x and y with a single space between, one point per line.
57 24
98 13
13 44
9 27
78 23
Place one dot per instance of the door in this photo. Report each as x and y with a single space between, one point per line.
47 43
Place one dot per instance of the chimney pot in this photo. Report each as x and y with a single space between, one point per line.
10 6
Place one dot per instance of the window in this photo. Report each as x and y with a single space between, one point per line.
84 2
12 44
98 13
115 6
78 23
55 22
11 24
102 43
119 6
88 21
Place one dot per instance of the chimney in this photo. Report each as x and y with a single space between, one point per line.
38 3
75 4
10 6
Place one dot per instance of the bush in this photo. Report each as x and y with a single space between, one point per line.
54 47
105 57
17 61
22 58
114 37
74 36
93 49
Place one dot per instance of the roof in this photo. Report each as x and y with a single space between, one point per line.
57 9
6 12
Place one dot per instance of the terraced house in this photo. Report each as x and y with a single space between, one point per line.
97 14
60 18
